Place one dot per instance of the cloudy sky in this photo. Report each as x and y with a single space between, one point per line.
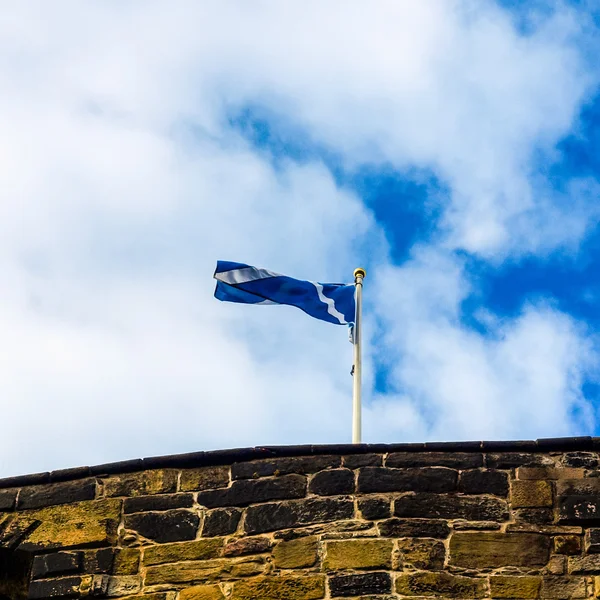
448 146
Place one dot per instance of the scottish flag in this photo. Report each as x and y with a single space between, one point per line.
331 302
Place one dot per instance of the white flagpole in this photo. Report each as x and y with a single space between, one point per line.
359 275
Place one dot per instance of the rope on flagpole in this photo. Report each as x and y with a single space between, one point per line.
359 275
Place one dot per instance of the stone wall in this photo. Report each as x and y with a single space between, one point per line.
472 520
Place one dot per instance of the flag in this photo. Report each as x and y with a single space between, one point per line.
331 302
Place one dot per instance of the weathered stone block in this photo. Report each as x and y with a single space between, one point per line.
460 525
8 499
65 587
69 525
282 587
439 584
510 460
552 473
39 496
202 592
584 564
333 482
355 461
98 561
248 545
490 550
249 491
126 561
144 483
588 486
358 554
206 478
579 509
426 479
169 526
587 460
286 515
196 550
221 521
483 481
374 509
563 588
296 554
567 544
434 506
302 465
515 587
534 516
192 572
454 460
527 494
360 584
557 565
422 554
399 528
123 586
592 540
57 563
157 502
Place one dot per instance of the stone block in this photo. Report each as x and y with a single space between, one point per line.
206 478
511 460
248 545
581 565
515 587
557 565
194 572
592 540
8 499
426 479
374 509
333 482
484 481
123 586
126 561
355 461
534 516
344 586
551 473
398 528
202 592
301 465
250 491
358 554
586 460
491 550
143 483
157 502
422 554
64 587
579 510
92 523
454 460
567 544
435 506
168 526
475 525
39 496
221 521
282 587
98 561
296 554
57 563
588 486
528 494
295 513
563 588
440 584
196 550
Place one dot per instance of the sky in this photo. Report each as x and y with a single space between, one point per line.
450 147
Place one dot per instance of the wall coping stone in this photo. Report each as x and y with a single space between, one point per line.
227 457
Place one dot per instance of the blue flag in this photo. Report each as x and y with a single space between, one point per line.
331 302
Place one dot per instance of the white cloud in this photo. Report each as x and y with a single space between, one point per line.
123 182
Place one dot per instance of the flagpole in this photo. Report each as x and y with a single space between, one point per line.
359 275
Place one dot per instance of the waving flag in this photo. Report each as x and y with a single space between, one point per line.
331 302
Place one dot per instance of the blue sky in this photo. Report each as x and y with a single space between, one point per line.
448 147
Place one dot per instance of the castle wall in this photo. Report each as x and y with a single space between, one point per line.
472 520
